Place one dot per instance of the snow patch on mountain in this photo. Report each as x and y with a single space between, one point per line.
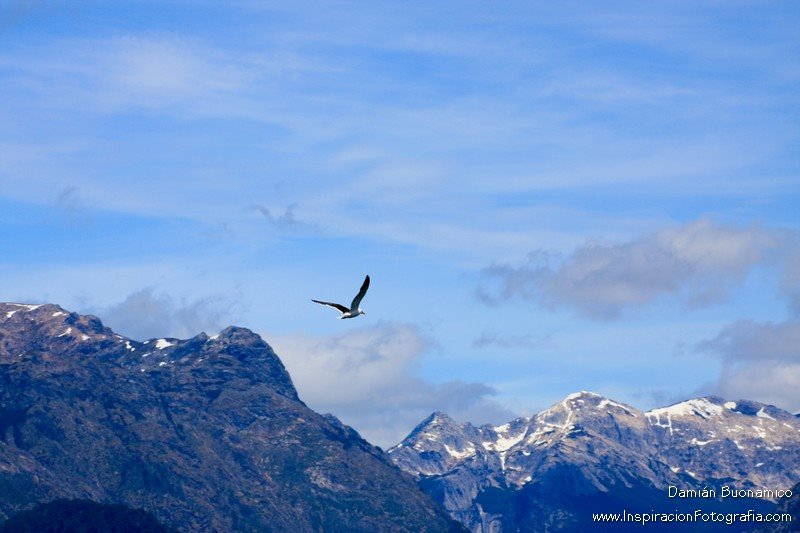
702 440
762 414
697 407
163 343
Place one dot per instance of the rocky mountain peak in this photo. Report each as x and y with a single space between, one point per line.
598 444
49 332
583 395
714 411
437 421
48 315
238 335
704 407
582 406
206 433
439 427
34 329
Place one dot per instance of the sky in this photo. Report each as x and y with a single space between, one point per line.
548 196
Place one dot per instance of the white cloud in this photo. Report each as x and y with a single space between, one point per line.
772 384
368 378
761 361
167 65
790 282
309 85
144 314
151 73
748 341
699 263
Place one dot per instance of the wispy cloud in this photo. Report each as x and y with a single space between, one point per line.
165 73
460 130
153 74
145 314
70 207
285 221
444 135
761 361
368 378
699 263
751 341
527 341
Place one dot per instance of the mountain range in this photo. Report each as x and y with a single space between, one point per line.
209 434
590 454
205 434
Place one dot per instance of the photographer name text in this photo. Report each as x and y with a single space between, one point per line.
728 492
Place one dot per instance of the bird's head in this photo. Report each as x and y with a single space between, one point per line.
361 311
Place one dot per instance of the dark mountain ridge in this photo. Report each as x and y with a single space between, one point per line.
206 433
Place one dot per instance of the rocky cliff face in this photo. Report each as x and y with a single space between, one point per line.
589 453
207 434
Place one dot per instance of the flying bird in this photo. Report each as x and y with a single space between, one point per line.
354 310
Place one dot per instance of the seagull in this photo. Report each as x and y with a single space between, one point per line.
354 310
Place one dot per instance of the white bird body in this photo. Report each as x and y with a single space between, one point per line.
354 310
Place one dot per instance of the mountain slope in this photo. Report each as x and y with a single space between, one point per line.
592 454
73 516
206 433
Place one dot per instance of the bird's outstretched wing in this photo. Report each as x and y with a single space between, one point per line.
340 307
360 295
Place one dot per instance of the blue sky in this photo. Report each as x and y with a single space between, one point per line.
549 196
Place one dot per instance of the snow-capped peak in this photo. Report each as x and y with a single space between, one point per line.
163 343
702 407
14 308
582 395
695 441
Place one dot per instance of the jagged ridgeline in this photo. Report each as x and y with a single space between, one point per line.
208 434
205 434
588 454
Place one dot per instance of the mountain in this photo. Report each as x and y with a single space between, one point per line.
788 507
591 454
206 434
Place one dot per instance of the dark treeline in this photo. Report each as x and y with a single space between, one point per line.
82 516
